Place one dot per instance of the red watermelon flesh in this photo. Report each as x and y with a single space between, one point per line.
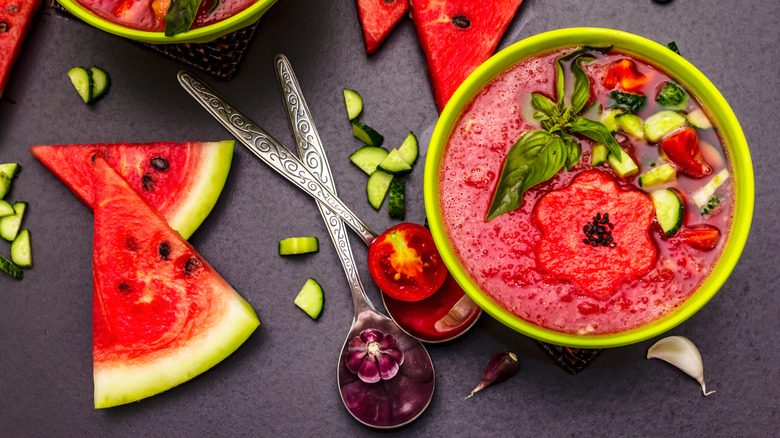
378 18
161 313
180 180
457 36
15 19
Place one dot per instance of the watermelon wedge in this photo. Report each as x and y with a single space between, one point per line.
15 20
457 36
378 18
161 313
180 180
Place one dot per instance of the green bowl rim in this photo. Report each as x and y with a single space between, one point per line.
199 35
678 68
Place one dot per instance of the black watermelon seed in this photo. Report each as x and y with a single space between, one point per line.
131 243
612 245
93 158
4 27
148 183
586 241
164 250
611 226
461 21
192 264
124 287
389 2
160 164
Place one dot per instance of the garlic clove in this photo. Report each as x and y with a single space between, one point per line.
682 353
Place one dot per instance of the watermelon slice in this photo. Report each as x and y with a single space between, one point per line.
15 19
378 18
180 180
161 313
457 36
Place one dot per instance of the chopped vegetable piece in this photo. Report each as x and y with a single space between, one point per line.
628 101
499 367
405 263
669 210
20 250
394 164
631 124
702 196
100 82
683 354
682 148
660 175
6 209
5 185
368 158
672 96
366 134
10 268
608 118
711 206
354 103
298 245
409 149
598 154
10 169
310 298
698 119
396 205
377 186
703 236
625 73
9 225
625 167
81 78
662 123
673 47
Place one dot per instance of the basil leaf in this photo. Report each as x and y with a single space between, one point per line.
559 83
573 155
597 132
544 104
673 47
180 16
536 157
581 93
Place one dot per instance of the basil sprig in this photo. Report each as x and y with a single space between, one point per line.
180 16
541 153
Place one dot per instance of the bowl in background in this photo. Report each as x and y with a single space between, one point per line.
200 35
677 67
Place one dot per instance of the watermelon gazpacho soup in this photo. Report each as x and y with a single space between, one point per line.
586 191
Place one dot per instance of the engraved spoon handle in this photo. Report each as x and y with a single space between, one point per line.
270 151
313 156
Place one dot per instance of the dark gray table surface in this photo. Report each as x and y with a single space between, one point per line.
282 381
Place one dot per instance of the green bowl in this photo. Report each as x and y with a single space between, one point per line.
200 35
677 67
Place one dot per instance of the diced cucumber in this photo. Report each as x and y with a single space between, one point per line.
310 298
81 78
368 158
409 149
669 210
10 225
662 123
702 196
10 268
628 101
711 206
608 118
698 119
672 96
396 204
100 82
20 250
598 154
366 134
5 185
298 245
395 164
6 209
660 175
625 167
631 124
377 186
10 169
354 103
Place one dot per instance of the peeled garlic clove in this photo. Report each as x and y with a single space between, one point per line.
680 352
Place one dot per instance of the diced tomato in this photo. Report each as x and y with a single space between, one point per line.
405 263
704 237
15 19
683 149
625 73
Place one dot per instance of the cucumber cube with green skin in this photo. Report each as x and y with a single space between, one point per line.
10 169
598 154
5 185
11 268
20 250
366 134
310 298
698 119
396 203
660 175
298 245
395 164
631 124
662 123
368 158
6 209
409 149
669 210
625 167
354 103
377 186
10 225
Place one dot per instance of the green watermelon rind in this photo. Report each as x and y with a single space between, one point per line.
203 195
118 383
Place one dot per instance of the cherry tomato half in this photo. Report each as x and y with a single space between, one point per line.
405 263
682 148
625 73
704 237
